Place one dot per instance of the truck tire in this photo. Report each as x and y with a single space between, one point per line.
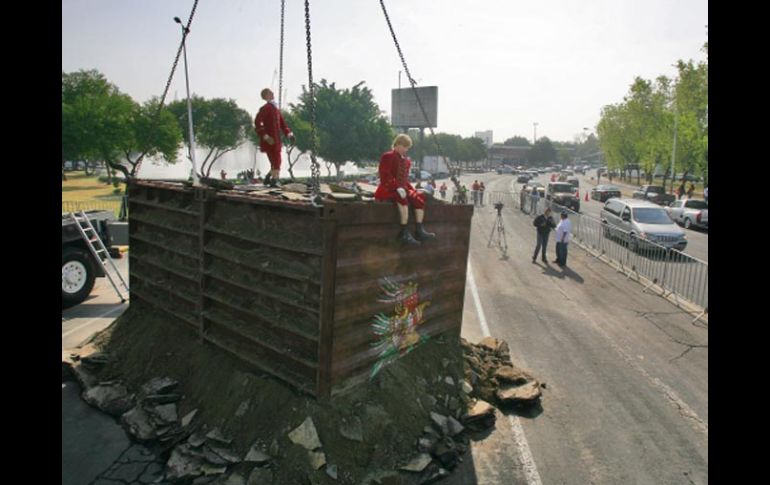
77 276
687 223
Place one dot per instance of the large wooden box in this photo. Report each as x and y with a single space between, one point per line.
293 289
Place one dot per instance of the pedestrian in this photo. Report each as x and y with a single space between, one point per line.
442 190
534 197
680 191
563 231
223 174
464 194
394 186
706 193
544 223
475 192
481 193
690 190
269 124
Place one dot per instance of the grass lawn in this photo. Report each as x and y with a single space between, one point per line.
85 192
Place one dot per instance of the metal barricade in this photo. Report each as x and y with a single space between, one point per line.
676 273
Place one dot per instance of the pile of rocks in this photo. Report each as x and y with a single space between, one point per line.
494 378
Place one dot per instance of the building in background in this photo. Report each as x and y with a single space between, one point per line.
486 136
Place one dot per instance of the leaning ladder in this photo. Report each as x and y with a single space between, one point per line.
93 241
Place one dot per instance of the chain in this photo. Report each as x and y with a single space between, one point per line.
417 96
280 64
156 118
315 169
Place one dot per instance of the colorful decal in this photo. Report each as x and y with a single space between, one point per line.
397 334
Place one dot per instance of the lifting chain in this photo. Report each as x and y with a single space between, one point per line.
315 168
452 169
156 118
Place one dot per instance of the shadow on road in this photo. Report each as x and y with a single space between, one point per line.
564 272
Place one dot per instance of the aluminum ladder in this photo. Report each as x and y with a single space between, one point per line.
93 241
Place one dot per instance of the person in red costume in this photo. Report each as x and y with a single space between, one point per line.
394 186
269 123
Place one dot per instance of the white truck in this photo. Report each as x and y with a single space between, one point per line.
689 213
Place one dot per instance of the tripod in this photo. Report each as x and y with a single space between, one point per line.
499 230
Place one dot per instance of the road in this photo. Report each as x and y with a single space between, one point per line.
626 372
96 313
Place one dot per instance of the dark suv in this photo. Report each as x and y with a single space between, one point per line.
562 193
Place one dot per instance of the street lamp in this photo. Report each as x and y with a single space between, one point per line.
186 31
534 140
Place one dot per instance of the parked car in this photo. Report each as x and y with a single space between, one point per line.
523 178
640 222
654 193
574 181
604 192
534 186
504 169
562 193
580 170
690 212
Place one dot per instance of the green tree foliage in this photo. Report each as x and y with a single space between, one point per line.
640 130
543 152
95 118
101 123
455 147
301 130
517 141
219 125
349 125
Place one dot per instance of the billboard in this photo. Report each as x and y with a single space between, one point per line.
405 111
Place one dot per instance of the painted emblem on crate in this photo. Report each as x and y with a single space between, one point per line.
397 333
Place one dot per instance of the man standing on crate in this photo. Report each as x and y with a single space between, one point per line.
269 123
394 186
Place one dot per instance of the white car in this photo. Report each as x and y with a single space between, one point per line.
689 212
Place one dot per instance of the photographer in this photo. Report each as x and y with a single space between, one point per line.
544 223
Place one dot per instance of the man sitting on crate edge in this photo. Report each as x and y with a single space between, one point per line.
394 185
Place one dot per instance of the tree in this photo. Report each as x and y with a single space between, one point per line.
349 124
517 141
301 130
542 152
150 133
95 118
219 125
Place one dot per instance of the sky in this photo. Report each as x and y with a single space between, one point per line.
499 65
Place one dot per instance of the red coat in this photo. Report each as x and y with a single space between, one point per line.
394 173
269 121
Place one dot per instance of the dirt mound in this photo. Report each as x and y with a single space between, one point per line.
410 423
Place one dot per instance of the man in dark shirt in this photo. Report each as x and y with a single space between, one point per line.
544 223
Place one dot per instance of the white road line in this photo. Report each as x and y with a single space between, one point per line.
73 330
522 446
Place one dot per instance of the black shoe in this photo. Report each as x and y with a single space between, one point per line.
407 239
555 261
545 261
275 184
533 260
266 180
423 235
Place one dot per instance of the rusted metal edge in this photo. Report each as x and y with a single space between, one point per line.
305 250
149 242
186 232
326 317
146 280
258 291
173 271
150 301
272 322
157 205
258 341
284 274
295 382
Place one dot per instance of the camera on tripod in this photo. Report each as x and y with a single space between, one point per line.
499 207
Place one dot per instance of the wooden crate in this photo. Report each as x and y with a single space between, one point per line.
292 289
